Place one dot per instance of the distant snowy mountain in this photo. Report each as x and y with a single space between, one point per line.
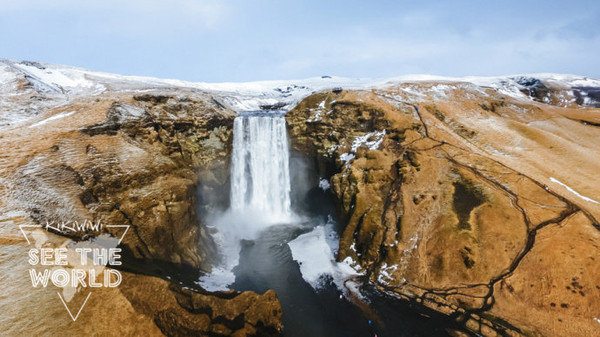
44 85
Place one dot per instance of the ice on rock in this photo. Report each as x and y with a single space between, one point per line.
346 157
324 184
317 260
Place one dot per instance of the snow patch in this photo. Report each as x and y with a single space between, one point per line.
346 157
489 148
332 148
324 184
439 91
581 82
316 258
315 118
6 75
573 191
318 112
370 140
385 273
412 90
62 78
55 117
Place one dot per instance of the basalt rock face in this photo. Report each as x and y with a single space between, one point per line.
182 137
454 196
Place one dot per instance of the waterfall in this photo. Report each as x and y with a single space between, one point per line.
260 190
260 177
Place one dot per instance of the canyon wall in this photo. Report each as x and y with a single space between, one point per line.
450 199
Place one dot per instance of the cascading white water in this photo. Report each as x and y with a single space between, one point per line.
260 190
260 177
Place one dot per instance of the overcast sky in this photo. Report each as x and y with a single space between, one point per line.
241 40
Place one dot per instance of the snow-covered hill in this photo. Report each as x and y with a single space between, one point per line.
27 87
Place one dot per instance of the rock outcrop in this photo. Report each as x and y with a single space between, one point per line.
181 312
450 198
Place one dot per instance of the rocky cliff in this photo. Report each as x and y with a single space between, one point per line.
127 159
461 198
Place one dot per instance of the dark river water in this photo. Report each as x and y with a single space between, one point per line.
266 263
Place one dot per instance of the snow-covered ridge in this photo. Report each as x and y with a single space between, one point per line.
241 96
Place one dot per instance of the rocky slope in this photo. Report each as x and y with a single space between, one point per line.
462 198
